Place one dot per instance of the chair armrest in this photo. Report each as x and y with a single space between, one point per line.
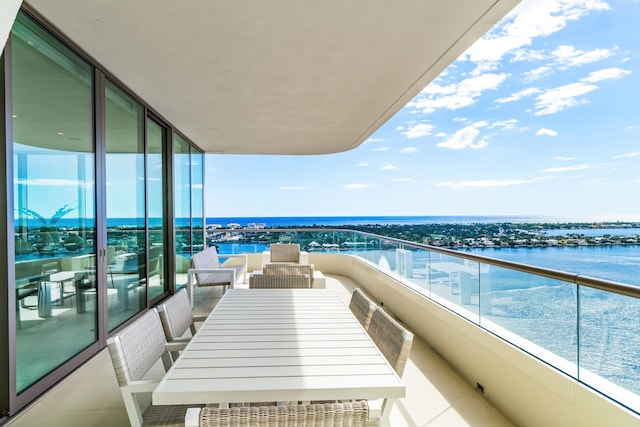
142 386
193 271
209 270
243 256
176 345
192 417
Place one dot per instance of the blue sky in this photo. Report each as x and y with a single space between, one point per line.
539 117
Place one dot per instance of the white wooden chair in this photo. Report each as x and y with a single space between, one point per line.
208 271
134 351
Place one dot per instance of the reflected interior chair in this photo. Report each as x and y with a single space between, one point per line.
177 317
51 275
350 414
273 281
394 341
284 252
362 307
134 351
289 269
207 270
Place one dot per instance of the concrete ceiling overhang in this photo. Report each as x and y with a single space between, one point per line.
278 76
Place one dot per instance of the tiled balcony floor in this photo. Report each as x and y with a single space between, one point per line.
436 395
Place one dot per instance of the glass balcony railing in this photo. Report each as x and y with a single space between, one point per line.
585 327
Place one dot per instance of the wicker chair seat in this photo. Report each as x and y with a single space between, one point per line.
264 281
286 269
350 414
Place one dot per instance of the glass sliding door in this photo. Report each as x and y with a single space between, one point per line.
156 209
197 208
182 207
54 203
125 207
188 205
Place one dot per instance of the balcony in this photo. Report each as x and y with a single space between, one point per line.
477 359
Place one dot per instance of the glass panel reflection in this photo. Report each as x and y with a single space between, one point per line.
126 291
197 208
54 201
609 345
155 210
182 208
536 313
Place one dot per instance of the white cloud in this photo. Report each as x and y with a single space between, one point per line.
564 158
455 96
569 168
462 139
557 99
52 182
529 19
560 98
527 55
489 183
605 74
419 130
621 156
518 95
373 140
389 168
409 150
567 56
381 149
505 124
363 164
537 73
401 180
357 186
547 132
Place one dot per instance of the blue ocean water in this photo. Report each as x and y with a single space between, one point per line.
615 263
308 221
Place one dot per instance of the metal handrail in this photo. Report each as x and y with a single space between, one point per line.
578 279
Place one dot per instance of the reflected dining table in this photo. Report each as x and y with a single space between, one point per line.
279 345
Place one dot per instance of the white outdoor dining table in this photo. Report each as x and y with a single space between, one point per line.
279 345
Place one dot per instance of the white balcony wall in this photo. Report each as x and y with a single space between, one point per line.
524 389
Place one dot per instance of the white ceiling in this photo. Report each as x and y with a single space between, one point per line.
277 76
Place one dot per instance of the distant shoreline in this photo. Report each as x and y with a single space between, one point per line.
490 234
